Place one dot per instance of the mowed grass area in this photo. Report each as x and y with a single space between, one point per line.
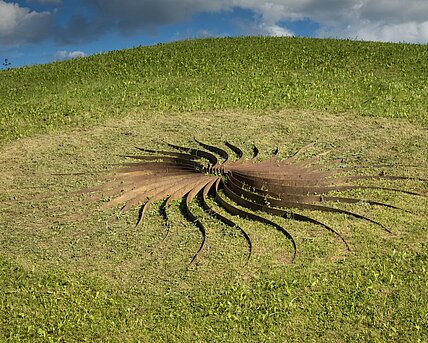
70 271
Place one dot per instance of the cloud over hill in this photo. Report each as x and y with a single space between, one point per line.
382 20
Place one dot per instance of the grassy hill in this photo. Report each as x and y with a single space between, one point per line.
376 79
71 271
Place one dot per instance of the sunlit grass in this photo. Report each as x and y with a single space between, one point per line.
70 271
375 79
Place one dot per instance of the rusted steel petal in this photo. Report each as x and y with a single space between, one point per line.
279 188
198 187
146 190
291 186
222 153
233 210
183 190
171 153
279 212
168 159
192 218
166 189
197 153
169 162
267 204
152 195
179 193
184 164
273 186
285 200
275 176
238 152
210 210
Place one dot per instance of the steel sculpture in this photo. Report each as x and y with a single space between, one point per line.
248 187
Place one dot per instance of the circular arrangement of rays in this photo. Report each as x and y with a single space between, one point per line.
248 187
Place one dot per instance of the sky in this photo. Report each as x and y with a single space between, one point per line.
43 31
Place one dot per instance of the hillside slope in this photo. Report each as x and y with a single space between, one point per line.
255 73
72 270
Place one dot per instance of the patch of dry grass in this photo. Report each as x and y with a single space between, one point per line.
46 229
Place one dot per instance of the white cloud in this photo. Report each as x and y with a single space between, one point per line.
273 30
20 25
385 20
395 11
404 32
379 20
205 34
210 34
266 19
66 55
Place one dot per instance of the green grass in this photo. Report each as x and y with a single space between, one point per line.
349 302
71 272
375 79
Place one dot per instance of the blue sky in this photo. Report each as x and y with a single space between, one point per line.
42 31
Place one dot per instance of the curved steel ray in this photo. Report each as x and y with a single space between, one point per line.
272 186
